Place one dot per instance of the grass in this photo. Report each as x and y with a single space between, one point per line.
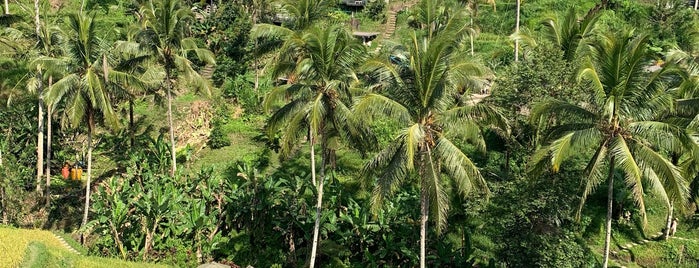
241 131
682 250
39 248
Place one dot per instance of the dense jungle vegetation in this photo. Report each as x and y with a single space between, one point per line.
332 133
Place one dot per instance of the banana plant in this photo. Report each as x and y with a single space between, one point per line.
158 204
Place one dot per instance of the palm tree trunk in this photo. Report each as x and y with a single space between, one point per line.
3 202
668 225
132 137
39 89
608 223
90 129
519 3
48 152
319 200
254 62
2 196
471 35
49 117
507 158
168 83
424 216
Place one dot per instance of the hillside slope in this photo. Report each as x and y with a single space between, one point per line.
39 248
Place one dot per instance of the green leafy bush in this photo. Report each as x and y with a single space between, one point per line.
376 10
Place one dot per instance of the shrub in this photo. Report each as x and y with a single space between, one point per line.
376 10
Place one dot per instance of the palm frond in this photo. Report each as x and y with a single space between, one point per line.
372 105
438 199
459 167
632 173
412 137
670 175
594 175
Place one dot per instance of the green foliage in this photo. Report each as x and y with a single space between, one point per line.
242 90
226 33
376 10
146 205
255 207
218 137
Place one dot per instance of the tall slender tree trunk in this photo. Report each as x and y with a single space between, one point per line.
49 119
90 129
472 31
3 203
519 3
39 91
132 135
3 197
696 4
424 216
254 62
7 7
319 201
674 158
507 157
49 112
668 225
168 84
608 223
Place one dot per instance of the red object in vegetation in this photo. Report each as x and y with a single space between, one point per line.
65 172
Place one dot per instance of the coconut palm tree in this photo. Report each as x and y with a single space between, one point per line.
433 16
39 88
619 124
319 66
421 93
50 46
568 32
83 90
685 113
472 7
130 59
164 34
303 13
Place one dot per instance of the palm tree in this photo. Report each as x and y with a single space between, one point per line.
472 6
39 88
319 64
569 32
49 46
421 95
83 89
433 16
134 61
164 35
303 13
685 113
619 122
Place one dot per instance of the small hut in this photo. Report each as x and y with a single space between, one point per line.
355 3
366 36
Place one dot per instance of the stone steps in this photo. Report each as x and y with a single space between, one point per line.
66 245
207 72
391 21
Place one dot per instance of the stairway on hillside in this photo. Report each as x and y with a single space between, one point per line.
207 72
391 20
